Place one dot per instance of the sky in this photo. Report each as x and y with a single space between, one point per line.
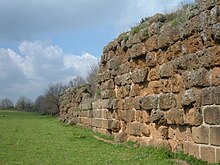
46 41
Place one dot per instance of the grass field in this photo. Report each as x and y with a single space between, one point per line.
27 138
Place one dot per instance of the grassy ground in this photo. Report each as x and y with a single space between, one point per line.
26 138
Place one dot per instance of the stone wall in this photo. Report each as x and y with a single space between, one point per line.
159 84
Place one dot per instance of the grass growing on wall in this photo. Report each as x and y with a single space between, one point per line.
26 138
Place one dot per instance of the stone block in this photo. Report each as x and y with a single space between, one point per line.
167 101
177 83
128 115
190 96
151 43
123 91
151 59
139 75
215 76
116 126
200 134
217 155
191 149
106 123
157 116
142 116
154 74
149 102
175 116
138 50
144 130
120 137
103 131
124 79
193 117
109 84
208 96
129 103
113 63
137 103
106 114
134 129
166 70
107 94
208 153
196 78
217 95
212 115
214 136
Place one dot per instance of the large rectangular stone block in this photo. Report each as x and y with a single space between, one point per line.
208 154
149 102
212 115
139 75
215 136
191 149
196 78
208 96
106 123
134 129
217 95
166 70
200 134
167 101
128 115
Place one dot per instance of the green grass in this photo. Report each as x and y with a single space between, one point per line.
27 138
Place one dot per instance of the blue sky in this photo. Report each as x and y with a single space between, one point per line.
48 41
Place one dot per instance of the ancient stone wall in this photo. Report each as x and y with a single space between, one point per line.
159 84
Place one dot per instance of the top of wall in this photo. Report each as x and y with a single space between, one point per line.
160 31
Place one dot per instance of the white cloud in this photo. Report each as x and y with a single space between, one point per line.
36 65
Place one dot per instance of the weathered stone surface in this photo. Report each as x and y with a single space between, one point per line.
214 135
215 76
208 153
137 50
123 79
197 78
212 115
107 94
167 101
120 137
113 63
208 96
123 91
189 96
116 126
191 149
217 95
129 103
139 76
200 134
193 117
153 74
106 123
217 154
177 83
134 129
175 116
151 59
128 115
166 70
149 102
157 116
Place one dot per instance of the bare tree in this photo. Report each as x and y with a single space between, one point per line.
40 105
77 81
24 104
92 77
6 104
51 100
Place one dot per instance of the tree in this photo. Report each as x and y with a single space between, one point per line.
92 77
24 104
40 105
6 104
77 81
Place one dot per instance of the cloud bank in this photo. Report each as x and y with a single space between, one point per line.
36 65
